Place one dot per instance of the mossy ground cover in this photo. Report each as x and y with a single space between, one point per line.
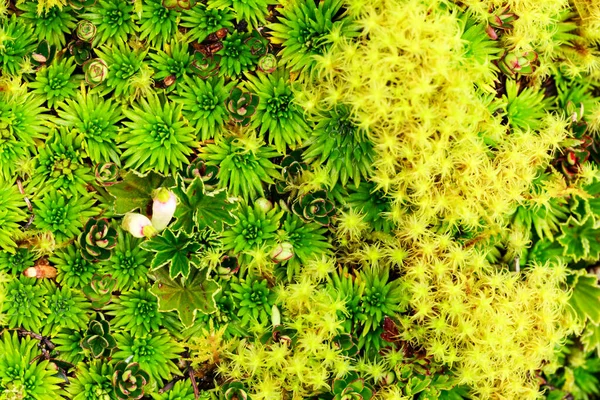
299 199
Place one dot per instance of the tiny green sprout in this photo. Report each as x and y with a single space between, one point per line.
267 63
513 63
86 31
282 252
95 71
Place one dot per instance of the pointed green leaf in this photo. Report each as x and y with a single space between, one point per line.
197 208
185 296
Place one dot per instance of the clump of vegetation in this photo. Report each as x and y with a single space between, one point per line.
261 199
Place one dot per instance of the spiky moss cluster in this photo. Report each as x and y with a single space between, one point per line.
365 127
546 28
430 130
448 165
495 327
302 366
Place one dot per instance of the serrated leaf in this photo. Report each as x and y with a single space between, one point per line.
185 296
173 251
197 208
580 238
591 338
545 250
585 299
135 191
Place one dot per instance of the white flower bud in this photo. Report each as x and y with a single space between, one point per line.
163 208
138 225
283 252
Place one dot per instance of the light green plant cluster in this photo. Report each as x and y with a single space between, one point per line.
303 367
440 151
495 327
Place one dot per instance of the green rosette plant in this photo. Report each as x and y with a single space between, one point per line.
60 165
307 29
97 120
56 82
253 299
25 304
129 380
254 230
158 24
73 270
203 102
277 116
114 20
93 381
252 11
373 204
201 22
245 164
97 239
18 41
236 55
181 390
343 286
341 145
129 263
16 262
68 308
381 297
68 345
25 373
11 215
154 353
155 137
172 63
124 65
306 240
63 215
524 108
97 339
136 311
51 25
22 122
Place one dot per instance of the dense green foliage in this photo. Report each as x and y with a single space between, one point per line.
298 199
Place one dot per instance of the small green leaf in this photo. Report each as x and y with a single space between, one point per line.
176 251
585 299
580 238
135 191
185 296
591 337
197 208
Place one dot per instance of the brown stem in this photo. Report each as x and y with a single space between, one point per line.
193 380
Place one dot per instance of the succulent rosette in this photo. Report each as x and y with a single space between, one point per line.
97 239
